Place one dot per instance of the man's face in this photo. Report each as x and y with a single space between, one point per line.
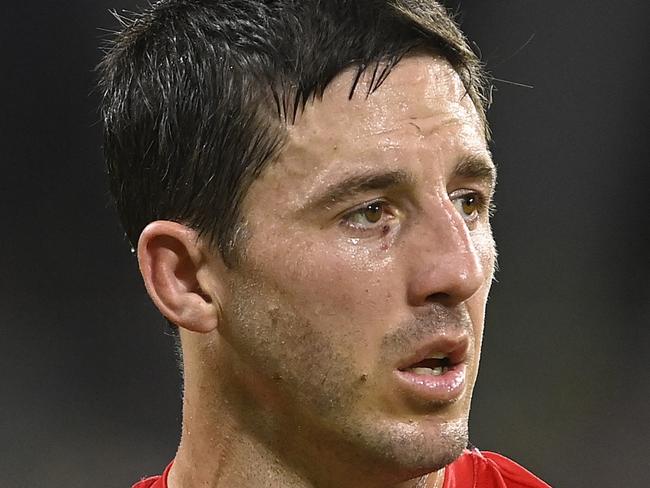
356 313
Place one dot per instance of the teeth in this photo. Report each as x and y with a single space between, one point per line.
430 371
437 355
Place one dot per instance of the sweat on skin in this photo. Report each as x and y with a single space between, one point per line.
296 358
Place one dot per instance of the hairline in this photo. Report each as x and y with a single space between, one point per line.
235 251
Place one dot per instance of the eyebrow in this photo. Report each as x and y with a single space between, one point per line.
477 167
360 183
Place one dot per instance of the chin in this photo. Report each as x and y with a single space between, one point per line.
409 449
436 446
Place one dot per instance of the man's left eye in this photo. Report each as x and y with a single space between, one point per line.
468 205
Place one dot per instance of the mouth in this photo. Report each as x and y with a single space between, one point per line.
436 365
436 372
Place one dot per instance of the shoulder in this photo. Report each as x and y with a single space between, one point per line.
489 470
154 481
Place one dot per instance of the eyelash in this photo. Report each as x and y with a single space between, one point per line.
381 223
483 205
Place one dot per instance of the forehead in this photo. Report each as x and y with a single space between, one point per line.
420 114
420 87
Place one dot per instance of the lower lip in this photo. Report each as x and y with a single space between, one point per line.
444 388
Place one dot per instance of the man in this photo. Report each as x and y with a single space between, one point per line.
309 184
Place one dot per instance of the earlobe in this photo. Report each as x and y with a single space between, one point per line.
180 276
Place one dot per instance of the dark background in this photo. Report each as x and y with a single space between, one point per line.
90 393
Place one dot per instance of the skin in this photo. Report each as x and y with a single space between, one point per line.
290 356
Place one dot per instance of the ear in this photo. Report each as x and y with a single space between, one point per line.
182 276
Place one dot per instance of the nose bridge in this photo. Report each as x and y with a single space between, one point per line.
447 263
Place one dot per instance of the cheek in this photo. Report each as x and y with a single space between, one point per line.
338 294
485 247
329 277
304 336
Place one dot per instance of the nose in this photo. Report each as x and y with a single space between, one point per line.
446 265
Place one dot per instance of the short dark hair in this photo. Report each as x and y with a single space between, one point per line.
197 94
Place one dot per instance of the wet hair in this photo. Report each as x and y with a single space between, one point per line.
197 94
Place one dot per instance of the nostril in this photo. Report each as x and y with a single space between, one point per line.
439 297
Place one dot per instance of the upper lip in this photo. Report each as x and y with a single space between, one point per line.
454 348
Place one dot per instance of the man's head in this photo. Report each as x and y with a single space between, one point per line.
336 154
198 94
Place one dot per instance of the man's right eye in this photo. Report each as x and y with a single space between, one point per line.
369 216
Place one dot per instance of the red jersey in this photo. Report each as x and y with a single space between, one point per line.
473 469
